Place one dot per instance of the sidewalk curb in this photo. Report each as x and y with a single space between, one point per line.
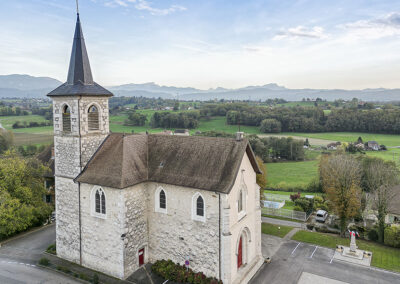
23 234
63 273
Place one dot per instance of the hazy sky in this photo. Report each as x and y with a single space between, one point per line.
209 43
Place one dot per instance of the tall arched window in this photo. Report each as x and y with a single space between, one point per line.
163 200
66 119
200 206
93 118
100 202
160 202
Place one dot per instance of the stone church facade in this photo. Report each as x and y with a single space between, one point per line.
125 200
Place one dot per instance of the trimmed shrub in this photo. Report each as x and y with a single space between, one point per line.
84 277
51 249
178 273
298 208
44 261
63 269
295 196
373 235
96 279
392 236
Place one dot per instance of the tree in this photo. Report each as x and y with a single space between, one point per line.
176 106
261 179
380 179
270 126
6 140
359 140
340 177
21 194
136 119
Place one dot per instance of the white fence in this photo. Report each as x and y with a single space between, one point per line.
291 214
277 197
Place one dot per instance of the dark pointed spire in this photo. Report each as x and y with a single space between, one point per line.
79 66
80 80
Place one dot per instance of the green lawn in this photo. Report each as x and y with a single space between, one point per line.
275 230
289 193
382 256
291 174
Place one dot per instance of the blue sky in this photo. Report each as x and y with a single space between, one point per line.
205 44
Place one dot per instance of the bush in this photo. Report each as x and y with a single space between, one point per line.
51 249
293 197
305 203
310 226
178 273
314 186
96 279
373 235
298 208
84 277
270 126
44 261
63 269
392 236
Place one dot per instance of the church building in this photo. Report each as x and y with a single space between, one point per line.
125 200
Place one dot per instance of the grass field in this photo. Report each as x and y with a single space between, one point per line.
288 174
385 139
382 256
275 230
289 193
8 121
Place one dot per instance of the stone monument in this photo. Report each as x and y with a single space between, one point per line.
352 253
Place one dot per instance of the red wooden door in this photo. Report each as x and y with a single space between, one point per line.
141 256
239 261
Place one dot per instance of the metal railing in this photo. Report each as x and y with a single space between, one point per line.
291 214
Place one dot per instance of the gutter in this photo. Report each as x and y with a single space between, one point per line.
79 184
219 235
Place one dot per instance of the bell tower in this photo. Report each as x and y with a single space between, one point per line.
81 123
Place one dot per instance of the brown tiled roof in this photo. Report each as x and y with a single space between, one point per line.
207 163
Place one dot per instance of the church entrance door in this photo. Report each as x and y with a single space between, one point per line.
240 259
141 257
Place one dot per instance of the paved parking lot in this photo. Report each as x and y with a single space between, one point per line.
294 258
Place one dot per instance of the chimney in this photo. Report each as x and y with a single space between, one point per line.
239 136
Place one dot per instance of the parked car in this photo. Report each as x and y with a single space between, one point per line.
321 216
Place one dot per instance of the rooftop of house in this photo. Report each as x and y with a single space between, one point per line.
208 163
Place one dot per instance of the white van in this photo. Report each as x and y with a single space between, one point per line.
321 216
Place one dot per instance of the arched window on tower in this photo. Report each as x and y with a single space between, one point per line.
66 119
93 118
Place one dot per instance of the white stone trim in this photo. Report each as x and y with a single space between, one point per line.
93 203
194 208
243 212
157 201
144 246
246 240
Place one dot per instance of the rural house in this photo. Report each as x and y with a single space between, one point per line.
125 200
373 145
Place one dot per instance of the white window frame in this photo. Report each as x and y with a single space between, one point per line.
157 201
194 208
93 203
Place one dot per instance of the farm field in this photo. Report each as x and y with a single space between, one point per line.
8 121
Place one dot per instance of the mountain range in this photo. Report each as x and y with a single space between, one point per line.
26 86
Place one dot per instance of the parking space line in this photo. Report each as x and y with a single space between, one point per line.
295 248
314 251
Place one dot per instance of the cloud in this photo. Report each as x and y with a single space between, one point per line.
301 32
388 25
144 5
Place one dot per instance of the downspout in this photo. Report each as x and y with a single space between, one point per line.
79 184
219 234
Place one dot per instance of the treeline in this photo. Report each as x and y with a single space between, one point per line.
46 112
135 119
30 124
187 119
269 149
9 111
310 119
144 103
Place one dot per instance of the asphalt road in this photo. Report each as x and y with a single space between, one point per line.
18 260
294 258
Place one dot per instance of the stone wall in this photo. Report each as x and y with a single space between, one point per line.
175 235
135 226
67 214
102 245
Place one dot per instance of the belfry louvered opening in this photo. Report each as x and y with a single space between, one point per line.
93 118
66 119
